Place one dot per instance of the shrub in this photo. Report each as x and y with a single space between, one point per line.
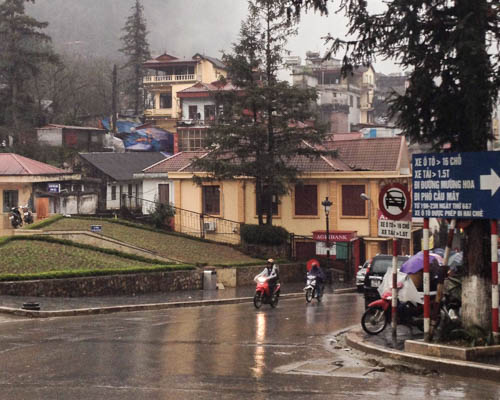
161 215
264 234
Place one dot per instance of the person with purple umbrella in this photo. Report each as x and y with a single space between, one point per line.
414 267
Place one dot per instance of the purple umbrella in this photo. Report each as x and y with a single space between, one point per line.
416 263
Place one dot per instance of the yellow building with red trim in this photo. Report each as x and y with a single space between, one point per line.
361 166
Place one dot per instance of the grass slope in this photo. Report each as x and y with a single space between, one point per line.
30 256
171 246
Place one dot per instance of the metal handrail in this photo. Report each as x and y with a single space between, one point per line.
195 224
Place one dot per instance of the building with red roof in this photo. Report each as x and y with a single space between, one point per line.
359 166
27 181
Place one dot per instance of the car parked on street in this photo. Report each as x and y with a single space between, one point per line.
373 278
360 275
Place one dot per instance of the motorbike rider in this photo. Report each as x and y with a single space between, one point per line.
17 214
318 273
271 273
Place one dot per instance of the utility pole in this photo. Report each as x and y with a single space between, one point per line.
113 100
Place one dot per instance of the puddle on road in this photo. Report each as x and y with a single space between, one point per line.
328 367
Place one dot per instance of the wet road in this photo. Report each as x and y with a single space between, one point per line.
219 352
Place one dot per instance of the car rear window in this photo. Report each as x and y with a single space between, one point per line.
380 265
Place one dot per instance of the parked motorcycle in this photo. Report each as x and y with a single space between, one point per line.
312 287
15 217
378 314
262 293
27 215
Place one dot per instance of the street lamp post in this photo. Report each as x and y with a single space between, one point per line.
327 204
365 197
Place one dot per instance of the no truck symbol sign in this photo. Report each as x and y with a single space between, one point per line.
394 201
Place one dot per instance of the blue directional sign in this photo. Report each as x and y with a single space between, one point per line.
456 185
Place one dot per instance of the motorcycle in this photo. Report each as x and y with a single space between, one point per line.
378 314
311 288
262 293
15 218
27 215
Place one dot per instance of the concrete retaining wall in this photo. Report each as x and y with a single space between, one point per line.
130 284
106 285
241 276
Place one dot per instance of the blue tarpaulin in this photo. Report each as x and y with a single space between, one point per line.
122 125
146 139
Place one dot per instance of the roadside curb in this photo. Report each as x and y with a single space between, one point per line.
355 339
134 307
144 307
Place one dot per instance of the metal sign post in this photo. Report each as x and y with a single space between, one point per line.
394 203
427 283
494 279
461 186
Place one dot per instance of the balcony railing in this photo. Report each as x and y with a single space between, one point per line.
169 78
158 112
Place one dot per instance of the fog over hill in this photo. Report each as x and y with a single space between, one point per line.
179 27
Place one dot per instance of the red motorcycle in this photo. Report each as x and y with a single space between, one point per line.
378 314
262 293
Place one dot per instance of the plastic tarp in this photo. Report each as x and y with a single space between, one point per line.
122 125
140 147
159 139
407 293
146 139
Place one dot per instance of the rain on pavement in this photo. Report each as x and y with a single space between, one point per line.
217 352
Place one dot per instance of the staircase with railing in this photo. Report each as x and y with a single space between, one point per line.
191 223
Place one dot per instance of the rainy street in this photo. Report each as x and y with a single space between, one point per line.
219 352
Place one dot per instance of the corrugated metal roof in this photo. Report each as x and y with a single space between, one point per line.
377 154
215 61
122 166
14 164
83 128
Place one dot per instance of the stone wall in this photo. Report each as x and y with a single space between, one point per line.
129 284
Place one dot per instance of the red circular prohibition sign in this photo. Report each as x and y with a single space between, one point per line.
395 196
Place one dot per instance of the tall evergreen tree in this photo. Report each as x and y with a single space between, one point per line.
136 48
262 125
24 49
451 49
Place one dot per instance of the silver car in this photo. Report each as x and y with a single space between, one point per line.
360 276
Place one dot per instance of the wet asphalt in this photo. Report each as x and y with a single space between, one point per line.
74 303
213 352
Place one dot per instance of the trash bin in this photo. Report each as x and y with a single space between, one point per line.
210 279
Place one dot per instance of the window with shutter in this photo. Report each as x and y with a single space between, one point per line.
352 203
306 200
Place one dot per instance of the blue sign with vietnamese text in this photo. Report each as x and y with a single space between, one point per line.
456 185
96 228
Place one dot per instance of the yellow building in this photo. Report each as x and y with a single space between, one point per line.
362 166
167 75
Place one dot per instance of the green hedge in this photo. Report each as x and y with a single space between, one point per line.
93 272
44 222
264 234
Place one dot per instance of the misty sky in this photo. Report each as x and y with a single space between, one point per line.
179 27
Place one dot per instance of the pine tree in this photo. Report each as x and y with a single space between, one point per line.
136 48
450 49
262 126
24 49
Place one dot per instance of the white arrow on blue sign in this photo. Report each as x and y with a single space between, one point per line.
456 185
